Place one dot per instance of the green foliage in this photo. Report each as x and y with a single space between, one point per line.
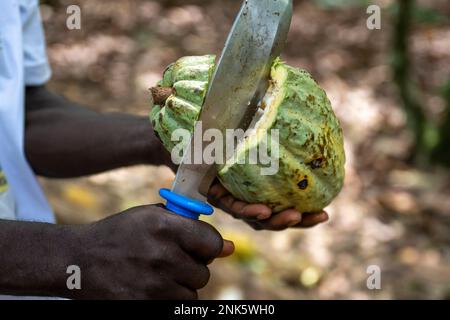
445 91
421 15
330 4
441 153
431 139
424 15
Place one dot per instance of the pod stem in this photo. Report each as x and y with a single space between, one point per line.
160 94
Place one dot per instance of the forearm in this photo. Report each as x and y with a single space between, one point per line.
34 258
63 139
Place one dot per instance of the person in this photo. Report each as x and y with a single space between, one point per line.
144 252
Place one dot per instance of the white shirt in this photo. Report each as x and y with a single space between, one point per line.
23 61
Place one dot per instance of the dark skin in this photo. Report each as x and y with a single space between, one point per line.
142 253
145 252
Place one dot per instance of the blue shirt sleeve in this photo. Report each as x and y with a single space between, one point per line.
37 69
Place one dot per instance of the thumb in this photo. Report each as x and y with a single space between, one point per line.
227 250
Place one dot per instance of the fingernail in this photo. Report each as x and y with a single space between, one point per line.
295 221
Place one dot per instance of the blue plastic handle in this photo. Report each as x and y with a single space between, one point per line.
184 206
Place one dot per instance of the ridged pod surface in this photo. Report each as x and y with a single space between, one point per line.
311 151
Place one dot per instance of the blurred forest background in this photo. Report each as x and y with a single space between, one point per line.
390 88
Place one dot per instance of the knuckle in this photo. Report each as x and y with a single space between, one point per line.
137 217
161 226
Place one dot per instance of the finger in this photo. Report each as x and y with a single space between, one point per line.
217 191
183 293
311 219
230 205
255 211
282 220
243 210
191 273
201 240
221 197
227 250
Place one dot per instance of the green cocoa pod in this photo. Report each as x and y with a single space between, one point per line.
311 152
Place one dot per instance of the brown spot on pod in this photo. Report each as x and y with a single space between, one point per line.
160 94
316 163
263 105
303 184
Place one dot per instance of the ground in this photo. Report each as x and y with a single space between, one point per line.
389 213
